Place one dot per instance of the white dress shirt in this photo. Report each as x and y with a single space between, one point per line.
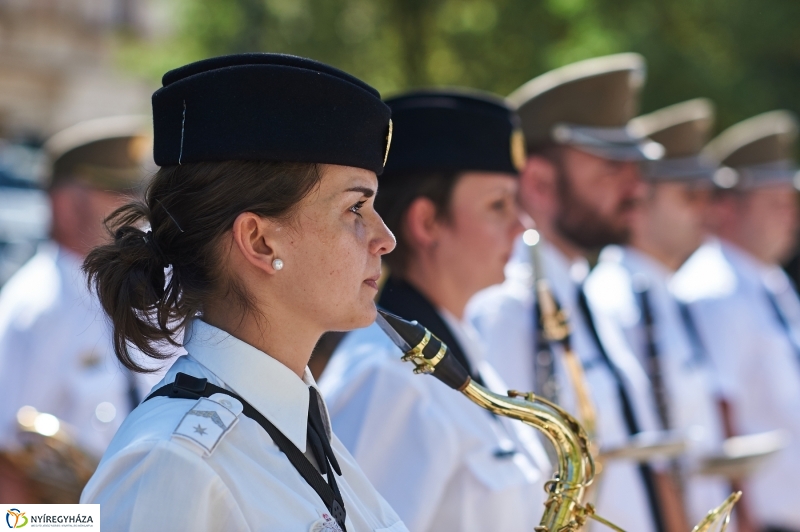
726 289
441 461
505 317
56 353
151 476
691 388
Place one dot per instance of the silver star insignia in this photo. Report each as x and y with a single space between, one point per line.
200 430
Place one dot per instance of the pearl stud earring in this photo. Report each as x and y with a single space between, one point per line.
277 264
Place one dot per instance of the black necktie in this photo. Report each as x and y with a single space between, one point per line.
323 453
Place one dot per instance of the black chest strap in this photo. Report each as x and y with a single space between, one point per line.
189 387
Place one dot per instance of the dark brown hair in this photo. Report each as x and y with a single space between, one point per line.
395 196
188 208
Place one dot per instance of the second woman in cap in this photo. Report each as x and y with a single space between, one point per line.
449 195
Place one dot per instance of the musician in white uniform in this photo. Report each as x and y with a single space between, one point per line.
448 194
56 354
631 285
581 185
745 306
262 211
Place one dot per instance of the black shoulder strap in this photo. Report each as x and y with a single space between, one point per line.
645 470
189 387
654 359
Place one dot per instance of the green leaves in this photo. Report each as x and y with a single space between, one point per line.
745 55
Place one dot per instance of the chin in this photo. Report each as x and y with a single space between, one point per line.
361 317
368 316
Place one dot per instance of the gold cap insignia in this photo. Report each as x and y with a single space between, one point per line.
518 149
388 142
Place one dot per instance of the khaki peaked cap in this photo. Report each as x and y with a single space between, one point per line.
586 104
756 152
683 129
113 153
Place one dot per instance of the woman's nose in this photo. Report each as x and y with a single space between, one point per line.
384 241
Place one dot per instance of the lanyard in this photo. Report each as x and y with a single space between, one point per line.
189 387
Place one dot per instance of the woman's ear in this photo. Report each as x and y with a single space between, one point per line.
254 238
421 224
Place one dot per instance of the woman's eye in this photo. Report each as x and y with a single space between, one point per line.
357 207
499 205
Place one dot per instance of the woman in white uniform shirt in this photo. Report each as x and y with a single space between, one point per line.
263 256
448 194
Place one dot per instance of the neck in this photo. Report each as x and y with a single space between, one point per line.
669 261
438 286
284 336
553 237
751 250
72 244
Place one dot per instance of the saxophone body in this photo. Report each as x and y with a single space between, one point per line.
575 469
575 466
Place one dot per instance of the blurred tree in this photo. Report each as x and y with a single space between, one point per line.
744 55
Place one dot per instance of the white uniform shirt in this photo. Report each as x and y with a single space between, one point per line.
505 317
726 291
689 378
56 353
152 477
441 461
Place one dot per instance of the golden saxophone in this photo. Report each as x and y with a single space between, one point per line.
564 508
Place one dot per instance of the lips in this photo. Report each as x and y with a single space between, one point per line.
372 282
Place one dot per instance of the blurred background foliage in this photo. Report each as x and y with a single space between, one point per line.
743 54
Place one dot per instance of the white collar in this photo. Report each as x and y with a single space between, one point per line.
565 275
272 388
772 276
639 261
743 259
707 274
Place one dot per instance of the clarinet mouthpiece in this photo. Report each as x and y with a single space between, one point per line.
428 354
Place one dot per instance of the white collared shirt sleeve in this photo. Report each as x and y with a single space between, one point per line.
161 485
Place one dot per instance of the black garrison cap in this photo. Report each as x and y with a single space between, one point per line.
269 107
453 130
757 152
683 130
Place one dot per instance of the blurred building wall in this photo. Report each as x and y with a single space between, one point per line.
56 64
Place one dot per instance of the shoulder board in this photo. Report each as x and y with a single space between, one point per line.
209 420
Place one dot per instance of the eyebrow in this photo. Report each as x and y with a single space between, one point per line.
366 191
